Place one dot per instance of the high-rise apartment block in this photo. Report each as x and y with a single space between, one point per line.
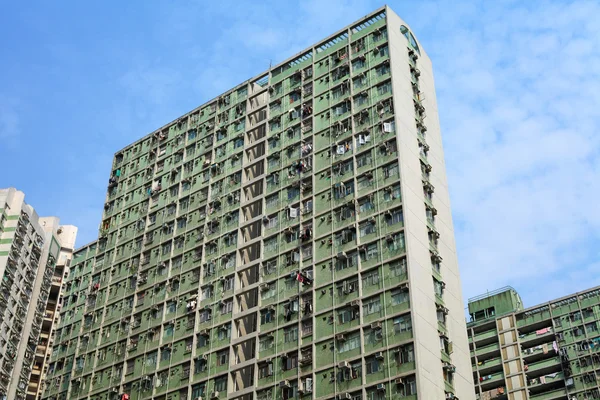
291 238
34 256
547 352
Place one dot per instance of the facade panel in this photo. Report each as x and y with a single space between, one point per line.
283 240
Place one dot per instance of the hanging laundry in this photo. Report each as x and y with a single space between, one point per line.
555 346
293 212
542 331
341 149
545 348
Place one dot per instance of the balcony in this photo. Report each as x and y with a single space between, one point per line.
484 337
544 367
544 335
487 350
555 394
491 381
487 366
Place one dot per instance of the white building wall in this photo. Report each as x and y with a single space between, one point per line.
430 380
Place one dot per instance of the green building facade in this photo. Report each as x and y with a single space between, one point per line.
258 246
546 352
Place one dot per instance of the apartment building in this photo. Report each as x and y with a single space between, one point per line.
34 253
291 238
546 352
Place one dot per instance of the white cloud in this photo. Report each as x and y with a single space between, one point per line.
518 93
518 105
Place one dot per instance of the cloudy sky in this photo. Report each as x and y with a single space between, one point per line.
518 91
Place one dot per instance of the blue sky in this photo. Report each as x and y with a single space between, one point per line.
518 93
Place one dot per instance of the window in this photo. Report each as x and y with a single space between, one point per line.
265 370
266 316
273 221
272 180
352 342
165 354
290 334
239 126
384 88
166 248
395 217
370 278
206 292
373 365
371 252
290 362
271 244
358 63
192 134
398 268
221 384
275 107
151 359
171 210
383 50
391 193
265 343
371 306
347 314
228 283
181 223
272 201
438 287
399 297
174 191
205 316
273 162
171 307
201 341
273 143
367 229
350 261
391 171
365 205
169 330
402 324
226 307
224 332
292 193
222 357
383 69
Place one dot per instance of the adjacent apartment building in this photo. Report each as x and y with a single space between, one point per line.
34 254
291 238
547 352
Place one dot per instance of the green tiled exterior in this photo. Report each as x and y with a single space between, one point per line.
556 346
192 289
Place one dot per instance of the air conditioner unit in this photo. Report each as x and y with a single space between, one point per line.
344 364
398 381
342 254
340 336
214 395
381 387
379 355
376 325
344 396
264 286
197 398
284 384
451 396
